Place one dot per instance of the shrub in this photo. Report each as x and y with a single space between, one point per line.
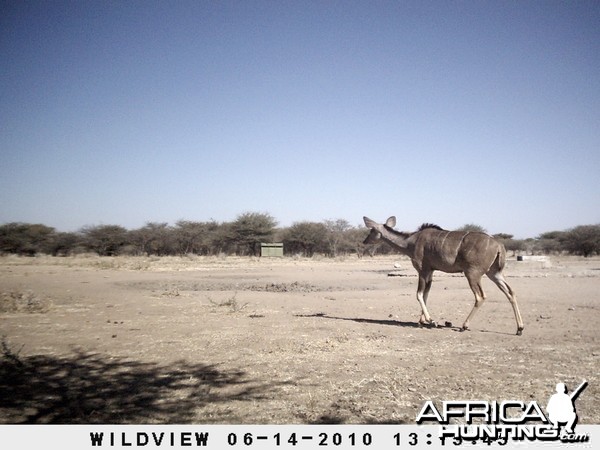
27 301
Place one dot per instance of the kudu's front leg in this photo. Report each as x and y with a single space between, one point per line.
425 280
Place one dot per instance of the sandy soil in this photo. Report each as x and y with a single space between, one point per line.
288 341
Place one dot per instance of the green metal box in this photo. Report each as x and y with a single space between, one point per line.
271 249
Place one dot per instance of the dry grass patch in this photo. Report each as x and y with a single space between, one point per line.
231 303
15 301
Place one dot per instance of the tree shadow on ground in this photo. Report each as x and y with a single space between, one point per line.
85 388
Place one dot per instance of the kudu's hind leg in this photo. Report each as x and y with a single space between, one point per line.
499 280
425 280
475 284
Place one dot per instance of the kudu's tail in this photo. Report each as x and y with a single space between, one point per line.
500 260
501 257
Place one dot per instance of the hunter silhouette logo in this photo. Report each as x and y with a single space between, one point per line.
561 406
501 421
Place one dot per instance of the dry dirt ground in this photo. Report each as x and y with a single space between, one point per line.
283 341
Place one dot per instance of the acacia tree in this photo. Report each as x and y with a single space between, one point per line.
582 240
307 238
106 240
200 238
549 242
25 238
154 239
249 230
355 237
337 235
189 236
515 245
62 244
472 227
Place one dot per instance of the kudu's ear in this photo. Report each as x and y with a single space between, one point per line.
369 223
391 222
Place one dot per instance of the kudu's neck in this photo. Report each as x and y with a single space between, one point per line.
398 240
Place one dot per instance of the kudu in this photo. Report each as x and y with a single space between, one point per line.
432 248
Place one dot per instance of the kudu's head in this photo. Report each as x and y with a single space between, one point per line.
377 228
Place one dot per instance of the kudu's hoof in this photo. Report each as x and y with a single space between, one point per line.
463 328
519 331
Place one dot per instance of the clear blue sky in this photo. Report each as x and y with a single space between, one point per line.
447 112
